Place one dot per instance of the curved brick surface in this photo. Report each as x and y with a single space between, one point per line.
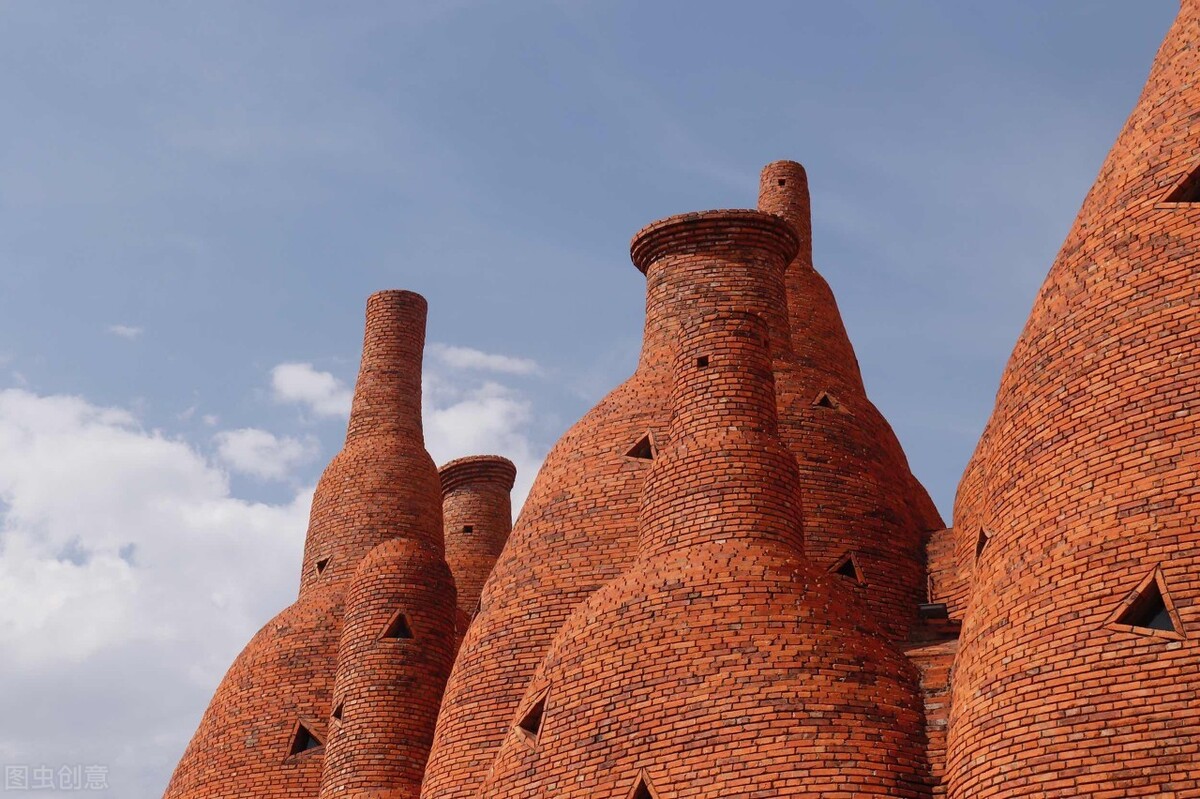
284 675
477 513
1086 480
382 482
718 664
578 526
388 687
860 496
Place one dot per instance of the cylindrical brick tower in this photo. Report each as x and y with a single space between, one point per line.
265 731
477 513
578 527
398 642
866 516
719 664
1078 518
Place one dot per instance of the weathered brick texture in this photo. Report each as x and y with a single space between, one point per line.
860 496
720 663
1085 482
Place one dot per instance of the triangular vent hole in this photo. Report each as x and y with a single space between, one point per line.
321 566
848 567
643 449
1149 610
1188 191
531 722
398 628
337 711
981 543
304 740
642 790
827 401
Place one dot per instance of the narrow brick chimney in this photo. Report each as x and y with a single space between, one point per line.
383 483
720 628
477 513
381 497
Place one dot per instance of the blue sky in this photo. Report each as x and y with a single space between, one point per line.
196 199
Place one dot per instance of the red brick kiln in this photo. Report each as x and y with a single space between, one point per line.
726 581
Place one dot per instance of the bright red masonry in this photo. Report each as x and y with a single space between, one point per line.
726 582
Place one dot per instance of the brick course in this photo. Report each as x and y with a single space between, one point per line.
1085 481
720 663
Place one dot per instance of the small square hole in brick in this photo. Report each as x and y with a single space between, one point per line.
702 362
468 528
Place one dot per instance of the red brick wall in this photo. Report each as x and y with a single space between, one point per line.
720 664
381 484
577 527
859 494
1086 479
477 514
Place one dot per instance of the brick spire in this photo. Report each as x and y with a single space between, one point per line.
268 727
862 501
715 665
382 494
1077 518
383 480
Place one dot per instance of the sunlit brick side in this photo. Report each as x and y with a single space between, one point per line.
1086 482
720 664
388 685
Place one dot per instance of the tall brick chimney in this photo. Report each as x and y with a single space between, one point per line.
268 730
383 482
720 628
578 526
378 510
863 505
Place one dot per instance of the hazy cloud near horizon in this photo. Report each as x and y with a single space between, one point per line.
195 202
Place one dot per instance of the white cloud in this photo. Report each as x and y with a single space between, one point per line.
130 577
320 392
467 358
463 415
261 454
125 331
479 419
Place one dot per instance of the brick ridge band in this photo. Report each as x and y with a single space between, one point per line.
731 230
477 469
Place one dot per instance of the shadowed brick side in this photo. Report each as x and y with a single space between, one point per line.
719 664
1086 479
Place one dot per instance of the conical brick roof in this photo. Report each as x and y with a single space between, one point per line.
1081 493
